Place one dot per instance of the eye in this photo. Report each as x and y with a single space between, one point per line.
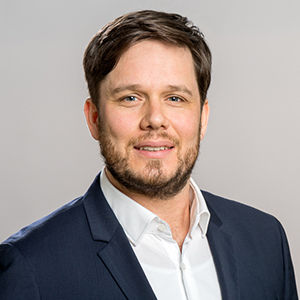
175 99
130 98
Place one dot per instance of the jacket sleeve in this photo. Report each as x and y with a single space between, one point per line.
289 286
16 276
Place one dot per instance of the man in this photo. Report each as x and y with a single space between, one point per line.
144 230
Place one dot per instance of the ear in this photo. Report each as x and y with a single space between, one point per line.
91 116
204 119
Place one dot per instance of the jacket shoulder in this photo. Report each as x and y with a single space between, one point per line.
27 256
58 223
238 216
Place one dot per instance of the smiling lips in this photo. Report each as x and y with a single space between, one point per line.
154 147
147 148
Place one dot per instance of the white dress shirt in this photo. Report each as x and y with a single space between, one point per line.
173 274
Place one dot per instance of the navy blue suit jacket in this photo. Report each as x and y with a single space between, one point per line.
81 252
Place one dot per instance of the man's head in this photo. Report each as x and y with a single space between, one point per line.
148 74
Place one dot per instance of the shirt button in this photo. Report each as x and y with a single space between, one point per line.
161 227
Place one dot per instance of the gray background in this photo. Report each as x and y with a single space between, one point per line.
251 151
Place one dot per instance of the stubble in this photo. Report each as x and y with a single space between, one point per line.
153 182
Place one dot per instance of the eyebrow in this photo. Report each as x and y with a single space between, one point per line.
179 88
122 88
133 87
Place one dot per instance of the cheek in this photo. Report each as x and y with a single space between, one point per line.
187 126
120 125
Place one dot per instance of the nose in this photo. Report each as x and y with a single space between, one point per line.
154 116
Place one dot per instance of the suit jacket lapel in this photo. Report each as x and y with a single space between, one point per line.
115 251
121 261
222 247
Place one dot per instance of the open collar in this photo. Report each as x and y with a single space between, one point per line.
136 220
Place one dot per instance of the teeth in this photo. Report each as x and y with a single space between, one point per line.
154 148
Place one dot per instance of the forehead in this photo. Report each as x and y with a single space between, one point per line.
153 64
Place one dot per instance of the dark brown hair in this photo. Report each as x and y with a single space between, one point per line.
107 46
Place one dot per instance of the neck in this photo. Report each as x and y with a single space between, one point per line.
174 210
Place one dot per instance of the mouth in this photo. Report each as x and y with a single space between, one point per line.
153 149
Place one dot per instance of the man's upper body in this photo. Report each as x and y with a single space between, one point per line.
82 252
148 73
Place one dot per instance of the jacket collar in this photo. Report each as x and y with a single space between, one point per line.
114 249
221 243
103 223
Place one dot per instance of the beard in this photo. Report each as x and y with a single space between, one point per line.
152 182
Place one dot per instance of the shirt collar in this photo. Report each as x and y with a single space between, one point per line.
136 219
133 217
200 214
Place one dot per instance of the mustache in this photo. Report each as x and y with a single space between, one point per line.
155 136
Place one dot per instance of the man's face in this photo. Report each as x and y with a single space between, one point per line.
149 119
